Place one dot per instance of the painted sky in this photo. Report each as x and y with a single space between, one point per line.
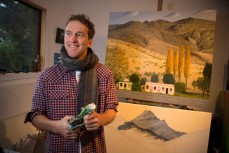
123 17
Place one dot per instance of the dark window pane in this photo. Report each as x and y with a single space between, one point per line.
19 36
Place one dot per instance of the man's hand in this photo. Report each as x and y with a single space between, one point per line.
95 120
56 126
62 127
91 121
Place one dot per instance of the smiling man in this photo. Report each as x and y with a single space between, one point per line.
63 89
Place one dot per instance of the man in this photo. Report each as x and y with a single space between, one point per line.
63 89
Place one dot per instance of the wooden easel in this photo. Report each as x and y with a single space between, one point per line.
159 5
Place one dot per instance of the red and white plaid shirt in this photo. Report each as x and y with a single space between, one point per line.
56 96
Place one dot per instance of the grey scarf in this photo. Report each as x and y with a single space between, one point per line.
88 83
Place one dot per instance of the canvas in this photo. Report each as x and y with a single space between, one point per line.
147 129
161 48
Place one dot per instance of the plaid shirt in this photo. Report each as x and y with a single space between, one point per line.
56 96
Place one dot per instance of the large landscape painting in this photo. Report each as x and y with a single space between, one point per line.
164 48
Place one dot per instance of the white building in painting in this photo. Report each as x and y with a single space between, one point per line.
125 85
159 88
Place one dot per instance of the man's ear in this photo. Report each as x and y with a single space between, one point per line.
90 42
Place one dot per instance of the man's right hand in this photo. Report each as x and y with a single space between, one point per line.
57 126
62 127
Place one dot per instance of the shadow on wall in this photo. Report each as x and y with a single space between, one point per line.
4 141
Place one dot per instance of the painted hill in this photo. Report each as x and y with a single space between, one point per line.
149 123
125 58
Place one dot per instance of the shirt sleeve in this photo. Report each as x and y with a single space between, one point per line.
111 94
38 101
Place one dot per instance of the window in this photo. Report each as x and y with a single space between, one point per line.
20 28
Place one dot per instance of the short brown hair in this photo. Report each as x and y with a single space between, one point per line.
84 20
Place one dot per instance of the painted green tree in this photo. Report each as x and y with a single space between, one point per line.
168 78
135 78
180 87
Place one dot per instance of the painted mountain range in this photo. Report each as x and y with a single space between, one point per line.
193 32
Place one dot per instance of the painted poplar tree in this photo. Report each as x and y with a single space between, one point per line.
181 62
187 63
169 61
175 63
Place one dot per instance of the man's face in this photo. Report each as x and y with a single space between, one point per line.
76 40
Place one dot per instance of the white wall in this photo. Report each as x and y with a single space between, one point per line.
57 13
19 92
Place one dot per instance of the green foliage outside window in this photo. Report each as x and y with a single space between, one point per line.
19 37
